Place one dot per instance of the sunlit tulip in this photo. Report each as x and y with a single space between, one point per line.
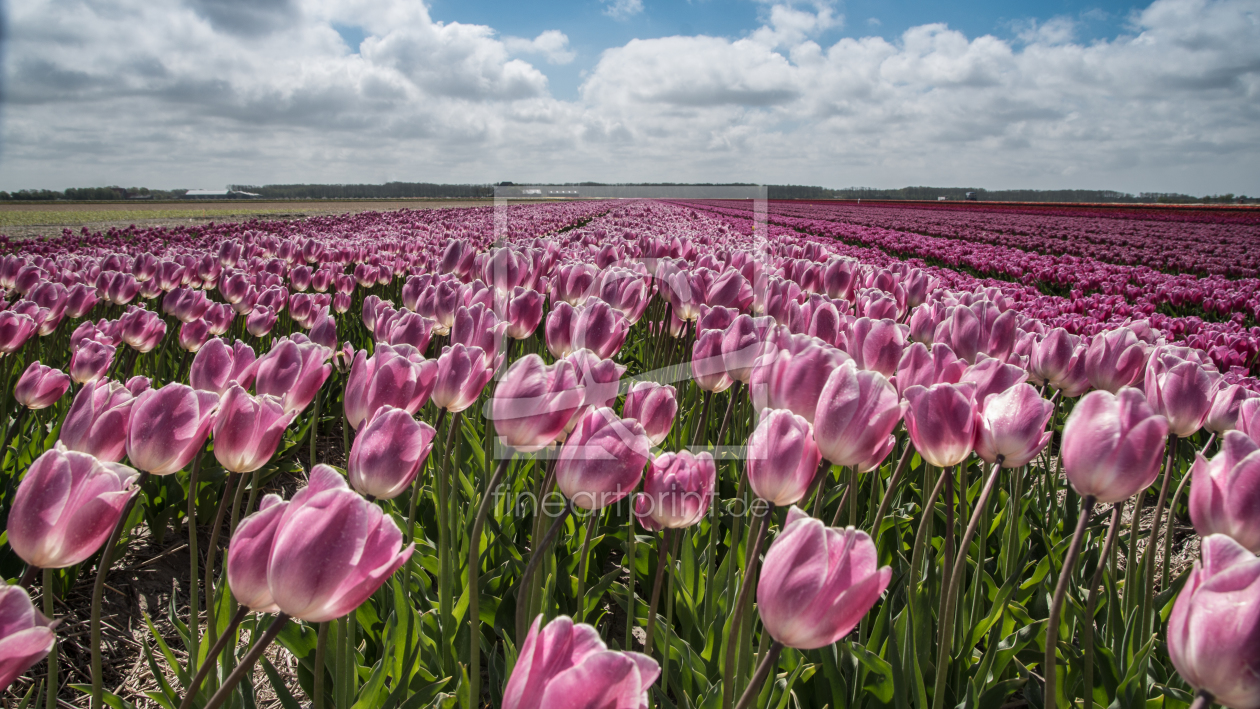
168 427
1225 492
599 328
80 300
387 378
602 461
1214 627
40 387
565 664
91 361
1226 405
138 384
478 326
247 429
534 401
600 380
66 506
1113 444
462 374
782 457
1115 358
707 365
99 420
857 412
26 636
791 374
941 422
877 345
992 376
558 329
141 329
192 335
1012 425
260 320
15 330
332 550
248 554
522 311
817 583
388 453
293 372
218 364
1181 390
677 490
653 405
926 366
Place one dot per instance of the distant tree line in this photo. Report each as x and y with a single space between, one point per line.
92 194
389 190
954 193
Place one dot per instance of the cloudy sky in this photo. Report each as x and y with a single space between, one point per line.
1047 94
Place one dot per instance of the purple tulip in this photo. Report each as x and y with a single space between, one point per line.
817 583
80 300
941 422
1214 627
567 665
1115 359
168 427
15 330
653 405
707 365
91 361
388 378
791 374
1225 493
677 491
217 365
600 380
293 372
857 412
522 312
1226 406
558 330
599 328
602 461
66 507
1012 425
248 429
194 334
534 402
260 320
992 376
1182 391
141 329
332 550
1050 358
1113 445
782 457
99 420
138 384
462 374
40 387
388 453
925 367
26 636
877 345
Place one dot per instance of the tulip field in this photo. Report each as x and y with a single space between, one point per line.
636 453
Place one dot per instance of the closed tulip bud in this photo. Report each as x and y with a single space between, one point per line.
219 317
387 378
194 334
341 302
293 372
924 320
332 550
1012 426
792 373
15 330
1214 627
677 490
260 320
534 402
857 412
138 384
1050 357
523 312
91 361
782 457
1225 492
168 427
877 345
599 328
1115 359
600 380
388 453
1180 390
653 405
924 367
992 376
817 583
1226 406
26 636
743 341
566 665
478 326
405 328
941 422
217 365
602 460
248 554
80 299
558 329
707 366
66 506
1113 445
1074 381
141 329
247 429
462 374
40 387
99 420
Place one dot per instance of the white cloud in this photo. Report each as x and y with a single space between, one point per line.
552 45
622 9
873 21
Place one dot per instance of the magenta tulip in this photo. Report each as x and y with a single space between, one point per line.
1115 359
600 380
141 329
260 320
388 378
80 300
941 422
1226 406
1012 426
293 372
91 361
26 636
782 457
15 330
194 334
217 365
40 387
462 374
743 341
523 312
817 583
1113 445
478 326
992 376
857 412
1225 492
1214 627
248 429
566 665
877 345
653 405
332 550
925 367
559 329
792 373
388 453
707 365
602 461
599 328
168 427
99 420
1050 358
534 402
677 491
66 506
1180 390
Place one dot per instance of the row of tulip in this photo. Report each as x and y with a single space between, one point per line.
582 507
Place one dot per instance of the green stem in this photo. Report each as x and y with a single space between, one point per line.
98 594
212 629
763 670
314 427
697 434
592 528
212 656
630 556
247 663
1087 631
853 495
194 590
750 574
321 649
1056 606
1172 509
444 535
893 483
474 583
536 558
54 682
662 560
1153 541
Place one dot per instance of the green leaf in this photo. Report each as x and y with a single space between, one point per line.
879 681
283 695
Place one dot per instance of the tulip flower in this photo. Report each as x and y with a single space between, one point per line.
602 461
925 367
1113 445
194 334
877 345
141 329
99 420
1011 426
66 506
782 457
534 402
1226 405
1214 627
743 341
332 550
654 406
80 300
138 384
26 636
15 330
857 411
260 320
1225 492
91 361
387 378
1249 418
293 372
522 312
600 380
1115 359
565 664
462 374
1051 356
1181 390
941 422
168 427
791 375
677 491
817 583
40 387
599 328
248 429
992 376
388 453
558 330
218 364
707 366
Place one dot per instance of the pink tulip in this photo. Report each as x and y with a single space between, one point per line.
602 460
405 328
1182 391
40 387
478 326
925 367
1113 445
192 335
26 636
388 453
677 491
138 384
877 345
600 380
707 365
599 328
653 405
856 414
91 361
1075 381
66 507
791 375
388 378
15 330
217 365
743 341
522 312
1115 359
248 429
941 422
558 329
924 320
1249 418
534 402
249 552
293 372
1225 493
80 300
567 665
99 420
1226 406
462 374
219 317
1012 425
1214 627
168 427
260 320
817 583
332 550
141 329
992 376
782 457
1051 356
